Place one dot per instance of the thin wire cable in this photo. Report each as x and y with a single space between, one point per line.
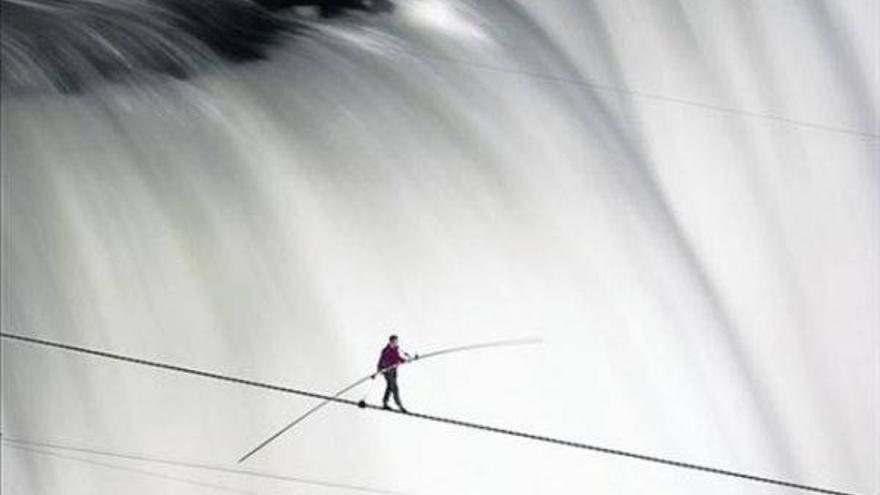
438 419
642 94
198 465
371 376
142 472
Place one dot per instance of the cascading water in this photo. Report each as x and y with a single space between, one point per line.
679 198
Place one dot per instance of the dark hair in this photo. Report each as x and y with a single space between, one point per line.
392 337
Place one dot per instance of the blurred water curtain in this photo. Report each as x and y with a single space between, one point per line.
680 198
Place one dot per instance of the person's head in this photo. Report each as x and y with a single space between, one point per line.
392 340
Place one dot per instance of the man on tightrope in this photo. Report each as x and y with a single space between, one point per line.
389 360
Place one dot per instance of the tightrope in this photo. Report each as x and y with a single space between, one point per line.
339 393
428 417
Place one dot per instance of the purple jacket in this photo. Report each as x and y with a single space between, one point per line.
390 356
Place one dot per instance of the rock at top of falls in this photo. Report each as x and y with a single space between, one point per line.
68 46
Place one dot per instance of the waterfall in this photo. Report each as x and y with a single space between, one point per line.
679 198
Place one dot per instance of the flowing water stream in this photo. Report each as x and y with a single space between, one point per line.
680 198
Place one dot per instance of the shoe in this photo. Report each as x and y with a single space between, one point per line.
403 410
385 406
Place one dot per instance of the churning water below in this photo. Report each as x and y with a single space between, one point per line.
680 198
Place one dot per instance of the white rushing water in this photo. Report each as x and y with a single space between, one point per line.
680 198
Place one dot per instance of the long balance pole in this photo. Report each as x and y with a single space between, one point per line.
472 347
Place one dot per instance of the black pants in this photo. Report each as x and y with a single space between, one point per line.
391 388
